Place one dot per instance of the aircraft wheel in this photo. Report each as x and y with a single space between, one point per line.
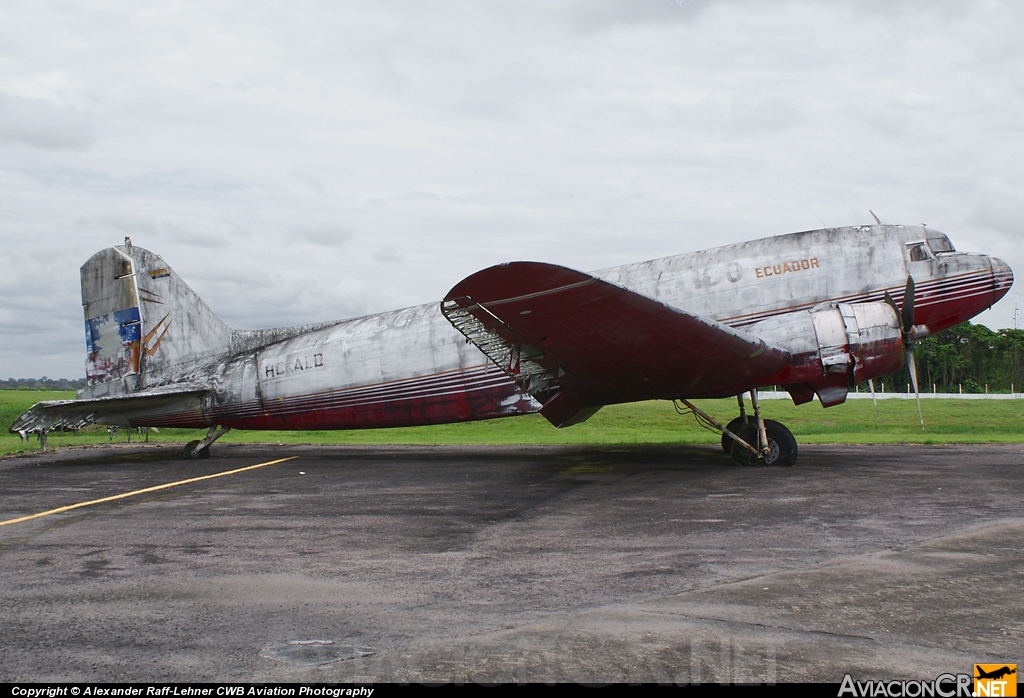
187 452
788 450
780 441
734 426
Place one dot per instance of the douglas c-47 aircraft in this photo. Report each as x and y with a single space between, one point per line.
816 312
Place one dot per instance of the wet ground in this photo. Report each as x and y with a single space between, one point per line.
664 564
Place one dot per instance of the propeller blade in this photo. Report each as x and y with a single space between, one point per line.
871 384
909 331
908 306
912 365
892 303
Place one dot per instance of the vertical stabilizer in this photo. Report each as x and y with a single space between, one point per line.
144 326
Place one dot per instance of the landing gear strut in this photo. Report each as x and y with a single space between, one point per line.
201 449
750 439
735 425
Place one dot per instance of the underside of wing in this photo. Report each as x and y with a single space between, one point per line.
133 410
576 342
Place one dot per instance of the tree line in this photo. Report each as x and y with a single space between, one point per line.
43 383
966 358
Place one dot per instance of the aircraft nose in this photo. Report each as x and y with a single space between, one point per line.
1002 278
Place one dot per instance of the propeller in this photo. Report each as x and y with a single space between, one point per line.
911 333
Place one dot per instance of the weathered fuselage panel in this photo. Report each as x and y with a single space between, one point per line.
398 368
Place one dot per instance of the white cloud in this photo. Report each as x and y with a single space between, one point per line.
42 124
328 235
332 159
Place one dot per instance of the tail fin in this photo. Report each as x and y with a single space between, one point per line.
144 326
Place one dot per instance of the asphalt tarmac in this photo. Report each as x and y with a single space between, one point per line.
416 564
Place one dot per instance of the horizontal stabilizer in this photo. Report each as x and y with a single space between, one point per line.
56 415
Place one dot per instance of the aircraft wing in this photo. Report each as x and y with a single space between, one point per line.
124 411
576 342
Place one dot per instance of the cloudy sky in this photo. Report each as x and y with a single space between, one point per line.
316 160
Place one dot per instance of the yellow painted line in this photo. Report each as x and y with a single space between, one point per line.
148 489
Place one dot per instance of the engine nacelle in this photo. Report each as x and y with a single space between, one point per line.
856 341
835 346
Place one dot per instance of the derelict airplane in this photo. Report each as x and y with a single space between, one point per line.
813 312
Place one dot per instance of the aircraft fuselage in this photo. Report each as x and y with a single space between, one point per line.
411 367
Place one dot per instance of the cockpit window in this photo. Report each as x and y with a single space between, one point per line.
916 252
940 243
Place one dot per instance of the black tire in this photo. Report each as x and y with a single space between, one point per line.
187 452
783 446
788 449
740 454
734 426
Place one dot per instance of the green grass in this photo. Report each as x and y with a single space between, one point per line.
946 421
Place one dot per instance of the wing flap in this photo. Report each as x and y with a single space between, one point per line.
552 328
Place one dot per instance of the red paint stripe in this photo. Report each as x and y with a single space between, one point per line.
944 285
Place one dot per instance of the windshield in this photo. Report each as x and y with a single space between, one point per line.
916 252
939 242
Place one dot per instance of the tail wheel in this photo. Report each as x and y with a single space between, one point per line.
780 441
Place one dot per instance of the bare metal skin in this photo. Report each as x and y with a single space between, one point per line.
806 310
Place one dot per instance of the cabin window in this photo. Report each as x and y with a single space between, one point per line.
917 252
940 243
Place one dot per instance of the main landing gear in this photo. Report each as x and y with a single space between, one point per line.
750 439
201 449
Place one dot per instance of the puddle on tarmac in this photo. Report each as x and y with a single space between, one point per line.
314 652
